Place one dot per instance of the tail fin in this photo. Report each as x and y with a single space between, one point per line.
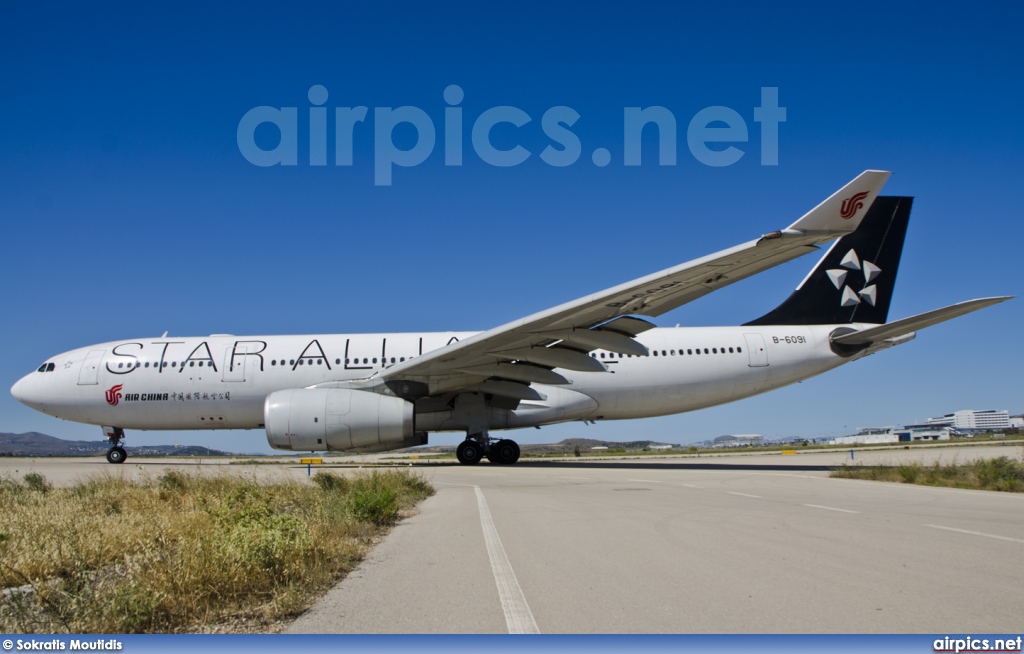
854 281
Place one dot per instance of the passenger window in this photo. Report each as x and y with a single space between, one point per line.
663 353
739 349
291 362
714 350
698 350
365 360
337 362
392 359
602 355
374 360
655 353
689 351
401 359
319 362
730 350
705 351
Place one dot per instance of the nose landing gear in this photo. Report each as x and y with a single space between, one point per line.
116 453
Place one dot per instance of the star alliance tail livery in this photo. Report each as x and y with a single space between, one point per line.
590 359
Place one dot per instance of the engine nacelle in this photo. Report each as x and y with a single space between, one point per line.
338 419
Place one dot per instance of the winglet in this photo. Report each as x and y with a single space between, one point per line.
843 211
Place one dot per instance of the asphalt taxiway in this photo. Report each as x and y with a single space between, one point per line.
645 547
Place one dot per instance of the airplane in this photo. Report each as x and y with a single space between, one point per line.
590 359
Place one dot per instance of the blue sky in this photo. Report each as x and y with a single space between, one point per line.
128 208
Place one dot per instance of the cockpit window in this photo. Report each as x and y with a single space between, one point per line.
50 367
42 368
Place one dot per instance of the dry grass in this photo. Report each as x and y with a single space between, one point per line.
1001 474
184 553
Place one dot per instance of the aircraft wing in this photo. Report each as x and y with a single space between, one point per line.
906 326
527 350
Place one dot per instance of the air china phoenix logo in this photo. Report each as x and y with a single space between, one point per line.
114 394
852 204
839 277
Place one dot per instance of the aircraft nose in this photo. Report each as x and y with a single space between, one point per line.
18 390
22 391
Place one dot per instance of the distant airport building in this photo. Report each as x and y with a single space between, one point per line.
905 434
969 420
1017 422
738 440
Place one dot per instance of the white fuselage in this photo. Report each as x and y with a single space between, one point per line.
221 381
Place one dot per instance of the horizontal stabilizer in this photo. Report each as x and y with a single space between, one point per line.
913 323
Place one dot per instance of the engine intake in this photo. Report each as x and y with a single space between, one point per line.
338 419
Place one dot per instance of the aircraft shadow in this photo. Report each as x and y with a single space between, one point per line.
650 465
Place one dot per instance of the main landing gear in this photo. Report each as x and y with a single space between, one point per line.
116 453
477 446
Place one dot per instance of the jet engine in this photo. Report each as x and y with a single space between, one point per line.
338 419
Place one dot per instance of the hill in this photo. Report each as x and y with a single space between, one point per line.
37 444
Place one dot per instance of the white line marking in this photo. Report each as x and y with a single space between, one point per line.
976 533
645 481
830 508
584 478
517 612
744 494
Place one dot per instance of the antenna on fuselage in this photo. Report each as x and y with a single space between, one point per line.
165 335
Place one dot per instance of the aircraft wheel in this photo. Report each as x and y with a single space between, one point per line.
505 452
469 453
515 446
116 455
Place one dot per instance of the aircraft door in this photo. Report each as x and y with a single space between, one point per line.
756 350
89 374
234 363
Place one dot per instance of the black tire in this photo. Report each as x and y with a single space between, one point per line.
116 455
505 452
469 453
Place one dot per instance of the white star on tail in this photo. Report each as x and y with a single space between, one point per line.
838 277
